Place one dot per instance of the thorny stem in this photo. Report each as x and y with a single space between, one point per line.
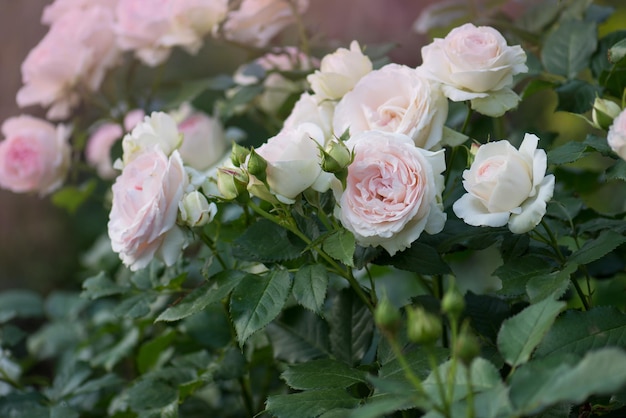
470 393
209 243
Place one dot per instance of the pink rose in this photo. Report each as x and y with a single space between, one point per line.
475 63
393 191
35 155
617 135
133 118
204 142
58 8
396 99
308 110
506 185
142 222
98 150
151 30
256 22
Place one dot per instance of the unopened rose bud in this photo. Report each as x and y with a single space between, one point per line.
336 157
603 113
257 165
195 209
387 316
232 182
239 154
453 303
423 327
467 347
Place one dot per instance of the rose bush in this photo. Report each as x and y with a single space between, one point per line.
506 185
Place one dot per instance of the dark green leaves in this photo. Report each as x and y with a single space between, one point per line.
567 50
266 241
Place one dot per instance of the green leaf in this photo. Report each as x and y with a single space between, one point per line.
101 285
382 406
340 245
321 374
486 314
257 300
516 273
567 153
535 86
63 304
266 242
419 258
151 394
54 338
299 335
108 381
309 404
617 171
71 198
20 304
151 353
418 361
577 332
67 380
484 376
310 285
521 333
552 285
600 59
594 249
351 327
537 386
136 306
205 295
109 358
576 96
617 52
568 49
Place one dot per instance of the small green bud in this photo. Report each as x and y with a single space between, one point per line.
232 182
423 327
336 157
603 113
467 347
257 165
387 316
453 303
238 154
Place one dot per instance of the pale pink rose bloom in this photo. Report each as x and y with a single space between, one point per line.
506 186
133 118
475 63
98 149
256 22
142 222
393 191
617 135
204 142
77 51
294 162
396 99
158 130
339 72
34 156
152 30
308 109
54 11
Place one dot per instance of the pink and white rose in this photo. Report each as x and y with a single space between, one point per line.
34 156
393 191
204 142
506 186
151 31
146 197
339 72
396 99
159 130
98 149
256 22
294 162
58 8
617 135
476 64
308 110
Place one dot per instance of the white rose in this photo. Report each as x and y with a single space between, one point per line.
506 185
475 63
157 130
294 162
256 22
393 191
204 142
310 110
396 99
146 196
195 209
339 72
617 135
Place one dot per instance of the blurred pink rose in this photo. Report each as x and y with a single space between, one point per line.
133 118
256 22
204 142
98 150
475 63
397 99
393 191
142 222
506 185
617 135
77 50
58 8
34 156
151 30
